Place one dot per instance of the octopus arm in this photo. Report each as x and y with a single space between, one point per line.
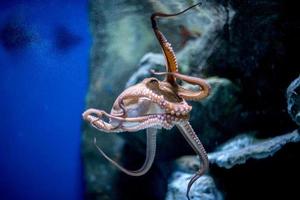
150 154
187 131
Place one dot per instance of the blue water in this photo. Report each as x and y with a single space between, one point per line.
44 57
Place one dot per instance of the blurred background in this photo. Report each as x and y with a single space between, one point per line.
44 58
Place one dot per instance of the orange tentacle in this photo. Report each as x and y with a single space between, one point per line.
171 62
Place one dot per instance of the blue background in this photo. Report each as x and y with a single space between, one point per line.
44 58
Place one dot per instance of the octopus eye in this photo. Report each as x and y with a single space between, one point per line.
153 81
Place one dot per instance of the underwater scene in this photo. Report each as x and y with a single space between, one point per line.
149 99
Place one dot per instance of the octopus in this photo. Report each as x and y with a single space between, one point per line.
153 104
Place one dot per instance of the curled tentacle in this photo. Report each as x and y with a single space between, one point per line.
171 62
189 134
99 113
189 94
150 154
94 117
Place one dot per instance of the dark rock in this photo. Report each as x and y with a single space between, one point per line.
259 56
273 177
242 150
217 118
244 147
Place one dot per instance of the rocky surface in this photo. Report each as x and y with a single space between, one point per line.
240 149
257 52
245 147
237 151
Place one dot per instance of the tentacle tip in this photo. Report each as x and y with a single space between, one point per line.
188 193
208 89
85 114
187 196
88 112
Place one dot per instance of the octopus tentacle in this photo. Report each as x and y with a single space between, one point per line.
146 121
189 94
171 62
160 120
140 93
96 121
99 113
191 137
177 108
150 154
